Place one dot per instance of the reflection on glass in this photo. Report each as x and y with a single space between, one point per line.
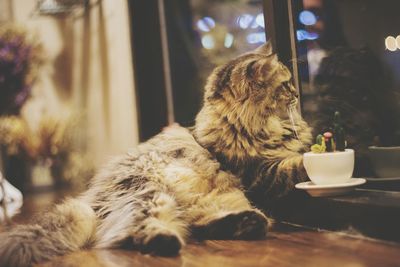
350 62
227 29
202 35
307 17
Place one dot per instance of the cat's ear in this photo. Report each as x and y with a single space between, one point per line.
265 49
263 65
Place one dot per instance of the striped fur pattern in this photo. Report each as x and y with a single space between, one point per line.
245 123
173 187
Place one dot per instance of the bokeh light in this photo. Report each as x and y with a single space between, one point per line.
245 20
260 20
206 24
390 43
398 41
256 38
307 17
305 35
228 40
208 41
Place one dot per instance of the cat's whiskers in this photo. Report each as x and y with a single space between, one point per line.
291 110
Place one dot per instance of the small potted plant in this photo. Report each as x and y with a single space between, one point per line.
329 161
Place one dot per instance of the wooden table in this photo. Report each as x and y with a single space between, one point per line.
286 245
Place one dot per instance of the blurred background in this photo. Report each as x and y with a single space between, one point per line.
67 89
83 80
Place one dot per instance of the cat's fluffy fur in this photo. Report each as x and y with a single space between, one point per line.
244 122
173 186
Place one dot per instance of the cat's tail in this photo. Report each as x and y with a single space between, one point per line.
68 227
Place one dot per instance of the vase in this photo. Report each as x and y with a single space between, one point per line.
41 177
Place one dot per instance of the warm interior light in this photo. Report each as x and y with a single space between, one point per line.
398 41
390 43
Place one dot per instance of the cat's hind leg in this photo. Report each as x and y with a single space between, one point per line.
163 230
227 216
150 221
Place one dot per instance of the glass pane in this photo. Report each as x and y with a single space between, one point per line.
349 59
202 35
227 28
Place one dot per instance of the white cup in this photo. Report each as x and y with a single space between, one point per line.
329 168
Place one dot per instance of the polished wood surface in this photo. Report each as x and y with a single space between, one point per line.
285 246
373 213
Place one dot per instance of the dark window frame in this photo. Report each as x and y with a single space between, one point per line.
149 75
280 12
154 50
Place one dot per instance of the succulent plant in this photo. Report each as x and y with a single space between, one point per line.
330 145
338 133
331 141
319 139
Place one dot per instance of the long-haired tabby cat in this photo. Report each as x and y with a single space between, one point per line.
185 182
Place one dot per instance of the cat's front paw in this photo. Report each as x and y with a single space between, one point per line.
251 226
162 244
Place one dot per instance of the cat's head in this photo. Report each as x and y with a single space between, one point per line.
255 82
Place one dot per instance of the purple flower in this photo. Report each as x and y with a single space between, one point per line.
17 56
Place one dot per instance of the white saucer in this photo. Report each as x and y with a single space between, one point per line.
330 189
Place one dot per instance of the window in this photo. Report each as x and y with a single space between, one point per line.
205 34
343 54
319 40
199 36
348 58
